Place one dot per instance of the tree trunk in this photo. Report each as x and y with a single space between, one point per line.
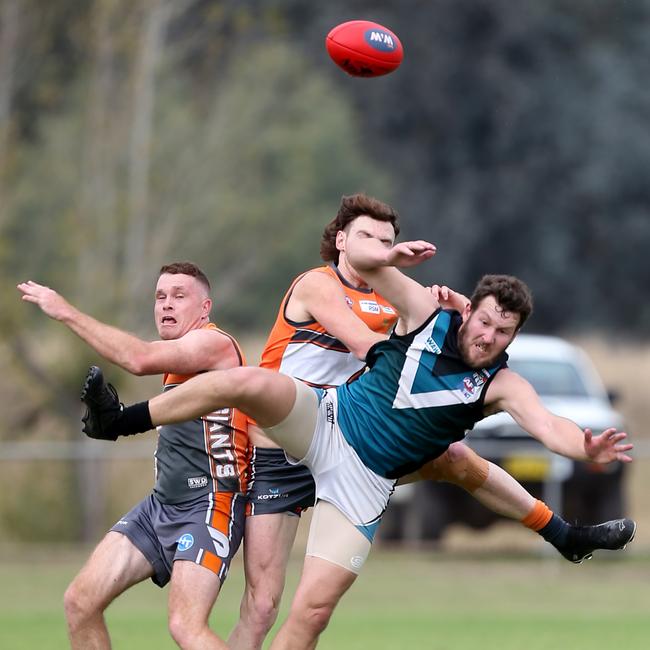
136 267
9 32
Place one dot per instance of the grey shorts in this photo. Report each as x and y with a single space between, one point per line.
207 530
276 486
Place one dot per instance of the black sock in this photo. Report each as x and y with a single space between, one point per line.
133 419
556 531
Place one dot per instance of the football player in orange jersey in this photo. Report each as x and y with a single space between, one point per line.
196 510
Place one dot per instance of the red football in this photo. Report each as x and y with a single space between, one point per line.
364 49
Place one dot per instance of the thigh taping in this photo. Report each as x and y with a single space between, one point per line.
294 434
333 537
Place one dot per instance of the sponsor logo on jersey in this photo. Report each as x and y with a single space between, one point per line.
432 346
387 309
185 542
329 412
194 482
273 493
369 307
122 522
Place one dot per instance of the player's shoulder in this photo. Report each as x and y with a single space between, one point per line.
505 383
210 334
317 279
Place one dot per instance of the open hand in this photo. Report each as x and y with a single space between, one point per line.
606 447
410 253
448 298
51 303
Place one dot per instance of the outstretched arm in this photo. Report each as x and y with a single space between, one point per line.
378 265
195 351
512 393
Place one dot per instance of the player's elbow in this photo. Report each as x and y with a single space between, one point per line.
360 352
138 364
360 347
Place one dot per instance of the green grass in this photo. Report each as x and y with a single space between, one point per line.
402 600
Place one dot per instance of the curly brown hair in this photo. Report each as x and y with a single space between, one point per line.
510 293
353 206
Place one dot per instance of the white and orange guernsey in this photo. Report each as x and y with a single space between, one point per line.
306 351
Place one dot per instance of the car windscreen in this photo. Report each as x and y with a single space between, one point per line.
550 377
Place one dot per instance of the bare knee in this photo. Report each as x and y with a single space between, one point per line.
184 629
264 606
313 617
261 609
79 605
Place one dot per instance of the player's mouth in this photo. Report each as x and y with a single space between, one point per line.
168 320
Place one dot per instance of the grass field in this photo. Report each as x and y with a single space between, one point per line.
470 596
427 600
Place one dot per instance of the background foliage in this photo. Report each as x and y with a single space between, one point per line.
136 132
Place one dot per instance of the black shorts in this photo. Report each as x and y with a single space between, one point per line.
207 530
275 486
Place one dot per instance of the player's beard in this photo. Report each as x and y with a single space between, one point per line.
464 347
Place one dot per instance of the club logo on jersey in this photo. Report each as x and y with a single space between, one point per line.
472 385
349 301
185 542
369 306
194 482
432 346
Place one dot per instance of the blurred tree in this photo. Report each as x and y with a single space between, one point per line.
515 136
518 138
135 169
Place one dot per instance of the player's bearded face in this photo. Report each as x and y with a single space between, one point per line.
485 333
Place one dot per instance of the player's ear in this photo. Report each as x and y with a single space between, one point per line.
340 240
467 312
206 307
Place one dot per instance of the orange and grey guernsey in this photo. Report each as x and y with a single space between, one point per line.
306 351
208 454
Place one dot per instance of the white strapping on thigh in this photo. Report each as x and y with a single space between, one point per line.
333 537
294 434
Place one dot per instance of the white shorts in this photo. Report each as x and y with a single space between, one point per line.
340 476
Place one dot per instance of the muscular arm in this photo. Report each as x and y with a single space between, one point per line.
319 297
195 351
512 393
377 265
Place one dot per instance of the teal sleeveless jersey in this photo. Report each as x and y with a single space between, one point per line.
418 397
